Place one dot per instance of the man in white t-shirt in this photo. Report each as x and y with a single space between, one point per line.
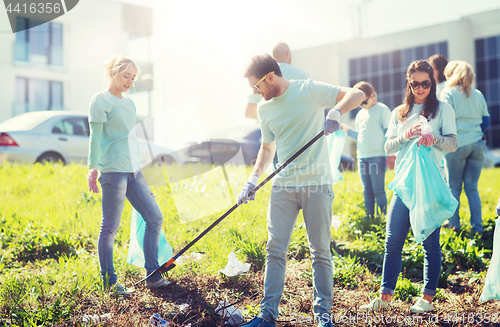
282 54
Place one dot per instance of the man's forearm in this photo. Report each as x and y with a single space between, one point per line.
351 100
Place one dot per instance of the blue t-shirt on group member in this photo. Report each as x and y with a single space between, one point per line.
442 124
293 119
469 112
371 125
118 117
289 72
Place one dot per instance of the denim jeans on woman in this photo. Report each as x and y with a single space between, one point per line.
398 224
372 173
464 165
284 206
115 187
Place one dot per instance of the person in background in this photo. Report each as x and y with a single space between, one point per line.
438 63
292 116
472 120
420 100
450 67
112 115
371 124
282 54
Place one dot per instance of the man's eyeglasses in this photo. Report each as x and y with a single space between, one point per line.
255 86
425 84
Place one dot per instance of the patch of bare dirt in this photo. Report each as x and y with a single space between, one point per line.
202 294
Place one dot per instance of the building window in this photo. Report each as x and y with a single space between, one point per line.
72 126
386 71
488 82
40 44
37 95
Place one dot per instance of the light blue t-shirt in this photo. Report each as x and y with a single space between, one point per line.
293 119
371 124
442 124
469 112
440 88
118 117
289 72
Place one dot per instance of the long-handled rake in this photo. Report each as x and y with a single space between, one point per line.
170 263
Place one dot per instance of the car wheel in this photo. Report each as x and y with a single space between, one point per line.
50 157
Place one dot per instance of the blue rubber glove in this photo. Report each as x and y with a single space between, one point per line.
243 196
331 126
332 123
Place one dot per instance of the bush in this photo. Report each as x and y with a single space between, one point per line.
299 244
406 290
462 252
347 271
33 244
413 259
252 248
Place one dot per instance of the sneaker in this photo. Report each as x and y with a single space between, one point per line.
158 284
259 322
375 305
422 306
120 289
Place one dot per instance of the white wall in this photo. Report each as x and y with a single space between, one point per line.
330 63
92 32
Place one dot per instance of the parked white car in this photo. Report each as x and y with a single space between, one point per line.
51 136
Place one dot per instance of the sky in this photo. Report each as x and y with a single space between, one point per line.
200 48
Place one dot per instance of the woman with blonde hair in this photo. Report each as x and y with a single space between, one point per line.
472 120
112 115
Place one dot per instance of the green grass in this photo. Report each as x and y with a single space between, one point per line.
347 272
406 290
49 225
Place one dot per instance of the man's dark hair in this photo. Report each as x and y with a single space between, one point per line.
261 65
365 87
440 63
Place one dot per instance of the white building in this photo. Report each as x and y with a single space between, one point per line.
59 64
383 61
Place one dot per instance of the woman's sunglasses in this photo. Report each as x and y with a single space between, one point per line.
425 84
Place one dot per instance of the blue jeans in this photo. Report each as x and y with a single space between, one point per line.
284 206
464 165
398 224
372 173
115 187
